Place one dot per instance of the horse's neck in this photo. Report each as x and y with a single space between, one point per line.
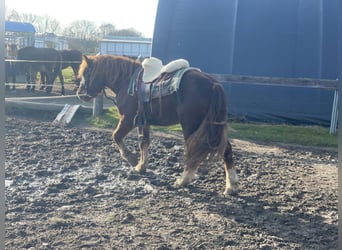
121 81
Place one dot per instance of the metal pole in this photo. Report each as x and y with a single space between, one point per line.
339 67
334 114
98 105
2 125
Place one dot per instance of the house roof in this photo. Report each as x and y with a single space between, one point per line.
19 27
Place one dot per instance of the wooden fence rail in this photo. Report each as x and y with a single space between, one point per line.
278 81
272 81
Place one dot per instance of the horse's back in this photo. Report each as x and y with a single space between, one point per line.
195 87
70 57
48 59
32 53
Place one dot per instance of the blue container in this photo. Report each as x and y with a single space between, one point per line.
277 38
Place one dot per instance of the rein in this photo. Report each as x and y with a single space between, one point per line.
111 98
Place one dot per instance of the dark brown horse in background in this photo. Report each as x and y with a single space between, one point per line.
47 61
70 58
11 51
199 105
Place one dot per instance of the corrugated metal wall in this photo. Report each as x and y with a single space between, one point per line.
281 38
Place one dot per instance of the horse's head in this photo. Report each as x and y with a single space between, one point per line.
89 87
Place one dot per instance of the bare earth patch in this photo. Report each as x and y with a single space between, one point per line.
68 188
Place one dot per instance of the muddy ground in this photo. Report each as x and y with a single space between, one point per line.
68 188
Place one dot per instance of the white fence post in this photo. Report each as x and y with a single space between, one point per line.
334 114
98 105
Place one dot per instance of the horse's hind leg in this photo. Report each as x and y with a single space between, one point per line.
61 79
42 80
187 175
14 78
49 82
28 80
144 142
232 178
123 128
189 171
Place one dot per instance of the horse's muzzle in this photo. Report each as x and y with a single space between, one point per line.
82 95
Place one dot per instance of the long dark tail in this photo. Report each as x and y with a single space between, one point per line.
210 138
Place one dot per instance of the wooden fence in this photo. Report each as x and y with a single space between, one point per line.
271 81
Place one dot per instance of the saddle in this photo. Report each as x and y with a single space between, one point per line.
154 69
163 82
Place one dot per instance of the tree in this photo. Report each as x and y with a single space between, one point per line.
82 29
106 29
12 15
42 24
28 18
45 24
126 32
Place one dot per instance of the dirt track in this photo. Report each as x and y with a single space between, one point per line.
67 188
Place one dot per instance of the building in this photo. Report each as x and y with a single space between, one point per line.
127 46
24 35
50 40
21 34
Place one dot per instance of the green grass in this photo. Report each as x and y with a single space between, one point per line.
264 133
109 119
68 75
283 133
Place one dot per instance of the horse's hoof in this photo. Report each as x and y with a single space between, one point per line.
140 168
231 191
132 159
180 182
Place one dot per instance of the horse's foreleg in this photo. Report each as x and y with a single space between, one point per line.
122 129
14 77
6 79
187 176
49 82
61 79
33 81
144 142
232 178
28 80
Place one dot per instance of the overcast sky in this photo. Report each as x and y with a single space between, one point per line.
137 14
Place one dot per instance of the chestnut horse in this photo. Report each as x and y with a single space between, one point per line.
199 106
